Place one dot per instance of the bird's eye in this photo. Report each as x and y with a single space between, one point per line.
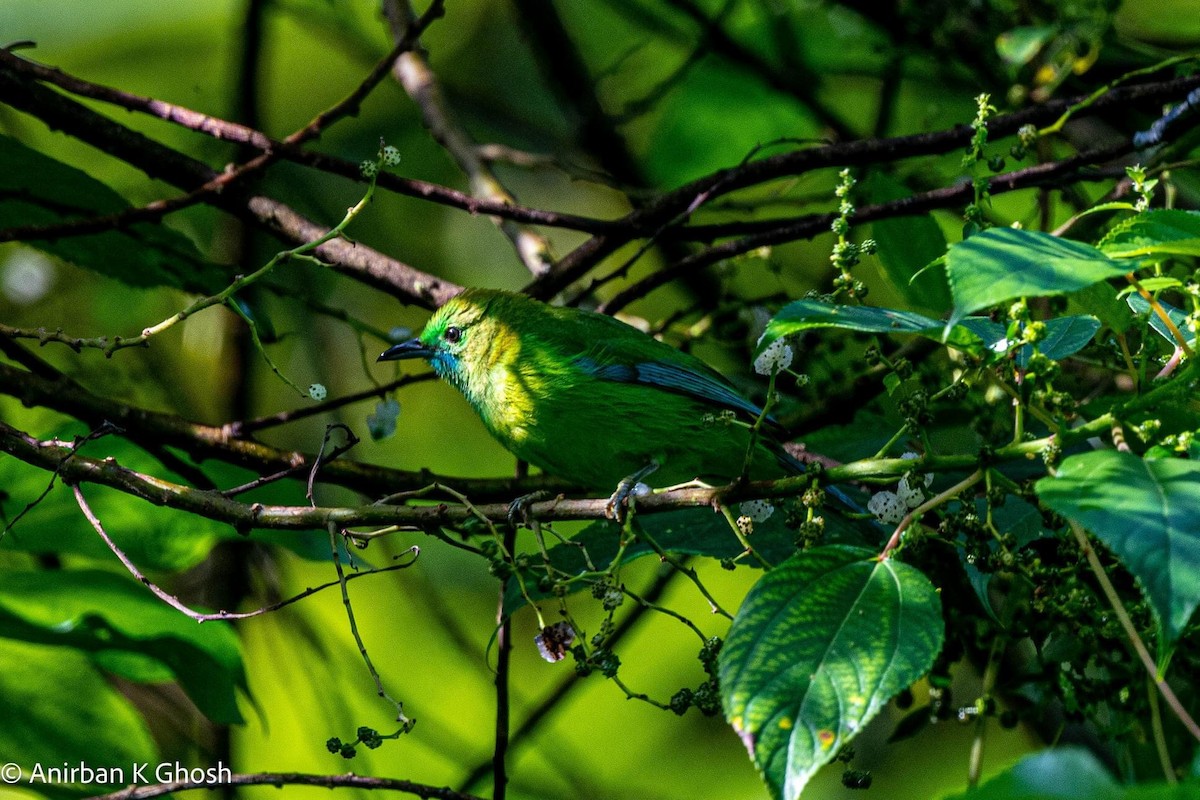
452 334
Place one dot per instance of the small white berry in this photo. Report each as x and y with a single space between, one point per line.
368 169
776 357
757 510
887 506
391 156
912 496
318 392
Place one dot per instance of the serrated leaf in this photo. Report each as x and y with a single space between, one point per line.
1148 513
59 709
38 190
98 611
818 647
1002 264
1141 305
1157 232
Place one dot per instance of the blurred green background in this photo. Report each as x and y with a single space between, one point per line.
429 628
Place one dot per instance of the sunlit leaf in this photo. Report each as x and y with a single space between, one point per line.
818 647
1002 264
1158 232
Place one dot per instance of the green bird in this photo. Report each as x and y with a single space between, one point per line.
590 399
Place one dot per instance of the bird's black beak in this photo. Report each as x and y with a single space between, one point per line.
413 348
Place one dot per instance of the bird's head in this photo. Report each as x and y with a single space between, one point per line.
456 339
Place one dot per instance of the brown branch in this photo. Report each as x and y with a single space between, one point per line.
272 150
765 233
413 73
352 259
859 153
281 779
224 442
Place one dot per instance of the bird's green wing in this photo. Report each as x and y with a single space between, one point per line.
681 379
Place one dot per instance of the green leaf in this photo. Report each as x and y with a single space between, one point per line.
907 246
1160 232
1147 513
818 647
1002 264
100 611
1070 773
38 190
801 315
59 709
1065 336
1018 46
154 538
1140 305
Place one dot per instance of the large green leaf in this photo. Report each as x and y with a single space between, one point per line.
1071 773
1002 264
818 647
59 709
1148 513
1158 232
38 190
125 625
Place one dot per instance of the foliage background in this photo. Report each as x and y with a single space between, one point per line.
429 627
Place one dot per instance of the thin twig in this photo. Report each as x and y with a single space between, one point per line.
200 616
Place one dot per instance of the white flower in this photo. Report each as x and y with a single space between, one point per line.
776 357
887 506
757 510
912 496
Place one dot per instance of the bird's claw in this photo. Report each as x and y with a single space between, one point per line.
622 500
519 509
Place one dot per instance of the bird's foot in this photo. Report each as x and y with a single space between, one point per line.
519 509
622 499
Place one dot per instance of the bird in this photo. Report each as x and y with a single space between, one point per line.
593 400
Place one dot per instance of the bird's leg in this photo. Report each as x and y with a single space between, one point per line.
622 498
518 510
